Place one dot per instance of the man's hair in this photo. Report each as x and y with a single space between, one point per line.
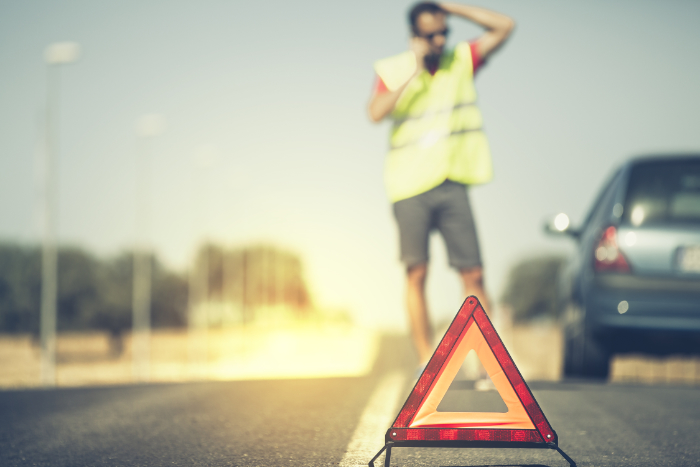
419 8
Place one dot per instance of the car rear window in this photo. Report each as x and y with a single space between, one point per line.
663 192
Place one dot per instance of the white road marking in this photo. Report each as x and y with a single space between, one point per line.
377 417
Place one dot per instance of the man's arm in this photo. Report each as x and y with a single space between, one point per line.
382 104
498 26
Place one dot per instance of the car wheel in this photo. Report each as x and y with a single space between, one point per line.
570 368
585 356
596 359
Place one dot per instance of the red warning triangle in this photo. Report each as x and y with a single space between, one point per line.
419 419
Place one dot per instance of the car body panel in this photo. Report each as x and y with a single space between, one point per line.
654 251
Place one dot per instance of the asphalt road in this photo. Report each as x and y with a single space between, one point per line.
312 422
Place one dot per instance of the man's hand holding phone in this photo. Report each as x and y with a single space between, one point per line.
420 47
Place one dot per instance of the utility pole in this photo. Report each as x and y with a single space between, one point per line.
56 54
147 127
198 315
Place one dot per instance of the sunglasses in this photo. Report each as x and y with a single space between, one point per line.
445 32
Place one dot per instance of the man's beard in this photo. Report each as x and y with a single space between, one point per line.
432 61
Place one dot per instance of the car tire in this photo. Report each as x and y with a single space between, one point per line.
585 357
596 359
570 368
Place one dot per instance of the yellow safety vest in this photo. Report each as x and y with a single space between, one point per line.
437 131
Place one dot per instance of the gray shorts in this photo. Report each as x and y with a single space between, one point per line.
445 208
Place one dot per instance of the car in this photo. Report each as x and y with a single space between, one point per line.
633 284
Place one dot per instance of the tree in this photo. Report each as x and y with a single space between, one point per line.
253 276
93 293
531 288
20 288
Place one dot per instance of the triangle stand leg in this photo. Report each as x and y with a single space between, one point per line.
565 456
387 459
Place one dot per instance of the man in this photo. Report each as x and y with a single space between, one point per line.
437 147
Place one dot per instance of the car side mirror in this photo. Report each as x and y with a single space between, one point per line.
560 224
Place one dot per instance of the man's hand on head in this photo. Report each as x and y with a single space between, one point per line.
498 26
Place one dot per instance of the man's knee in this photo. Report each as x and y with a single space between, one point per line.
416 274
473 277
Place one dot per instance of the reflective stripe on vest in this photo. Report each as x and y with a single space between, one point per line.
436 133
430 138
400 120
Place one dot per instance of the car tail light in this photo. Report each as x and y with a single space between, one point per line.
607 255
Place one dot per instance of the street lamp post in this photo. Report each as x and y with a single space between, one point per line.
147 127
198 316
55 55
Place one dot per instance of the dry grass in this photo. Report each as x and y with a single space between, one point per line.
670 370
292 351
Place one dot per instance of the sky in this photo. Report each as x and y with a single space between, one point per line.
278 92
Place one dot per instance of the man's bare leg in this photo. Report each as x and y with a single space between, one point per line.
473 284
418 311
